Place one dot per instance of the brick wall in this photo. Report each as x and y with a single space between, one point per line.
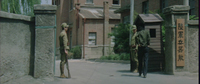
154 5
175 2
94 26
62 15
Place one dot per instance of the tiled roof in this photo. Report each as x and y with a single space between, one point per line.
149 18
97 13
123 9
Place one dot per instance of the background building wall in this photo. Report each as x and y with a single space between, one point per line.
94 26
154 5
175 2
80 31
138 6
197 8
95 51
97 2
17 46
62 15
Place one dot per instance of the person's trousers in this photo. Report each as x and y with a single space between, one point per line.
143 56
134 59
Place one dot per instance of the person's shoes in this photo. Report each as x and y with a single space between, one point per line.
135 71
144 76
62 76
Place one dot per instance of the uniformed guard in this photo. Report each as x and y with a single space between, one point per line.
143 50
64 48
134 49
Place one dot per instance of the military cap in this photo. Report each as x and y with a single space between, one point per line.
63 25
134 27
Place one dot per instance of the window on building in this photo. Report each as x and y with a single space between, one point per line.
192 7
153 33
57 2
115 2
145 7
164 4
126 19
92 38
89 1
71 4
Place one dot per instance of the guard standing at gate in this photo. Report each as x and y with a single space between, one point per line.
143 50
134 49
64 48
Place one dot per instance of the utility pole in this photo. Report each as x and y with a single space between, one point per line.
131 23
186 2
131 18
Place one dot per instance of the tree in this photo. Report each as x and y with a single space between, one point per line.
24 7
121 34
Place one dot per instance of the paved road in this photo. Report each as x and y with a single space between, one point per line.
88 72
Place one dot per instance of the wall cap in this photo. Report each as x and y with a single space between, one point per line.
45 7
193 22
177 8
15 16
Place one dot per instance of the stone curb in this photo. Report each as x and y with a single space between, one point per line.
109 61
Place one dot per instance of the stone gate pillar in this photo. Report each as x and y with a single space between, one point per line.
44 40
173 14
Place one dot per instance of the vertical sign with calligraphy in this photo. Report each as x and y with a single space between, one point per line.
180 42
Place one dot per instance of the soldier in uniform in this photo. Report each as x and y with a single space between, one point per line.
143 50
64 48
134 49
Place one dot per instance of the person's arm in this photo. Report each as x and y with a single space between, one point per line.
65 41
137 41
148 38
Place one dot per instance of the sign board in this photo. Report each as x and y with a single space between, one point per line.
180 42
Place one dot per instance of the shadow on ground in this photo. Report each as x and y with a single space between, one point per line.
158 72
124 71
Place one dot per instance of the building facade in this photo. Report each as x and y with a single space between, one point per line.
90 22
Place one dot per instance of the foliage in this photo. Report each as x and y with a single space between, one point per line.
70 55
76 52
24 7
135 15
122 56
121 34
193 17
163 36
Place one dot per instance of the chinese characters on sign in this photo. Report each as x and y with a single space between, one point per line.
180 45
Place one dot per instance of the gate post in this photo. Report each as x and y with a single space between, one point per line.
172 13
44 40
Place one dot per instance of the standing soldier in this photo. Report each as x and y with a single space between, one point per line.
134 49
64 48
143 50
